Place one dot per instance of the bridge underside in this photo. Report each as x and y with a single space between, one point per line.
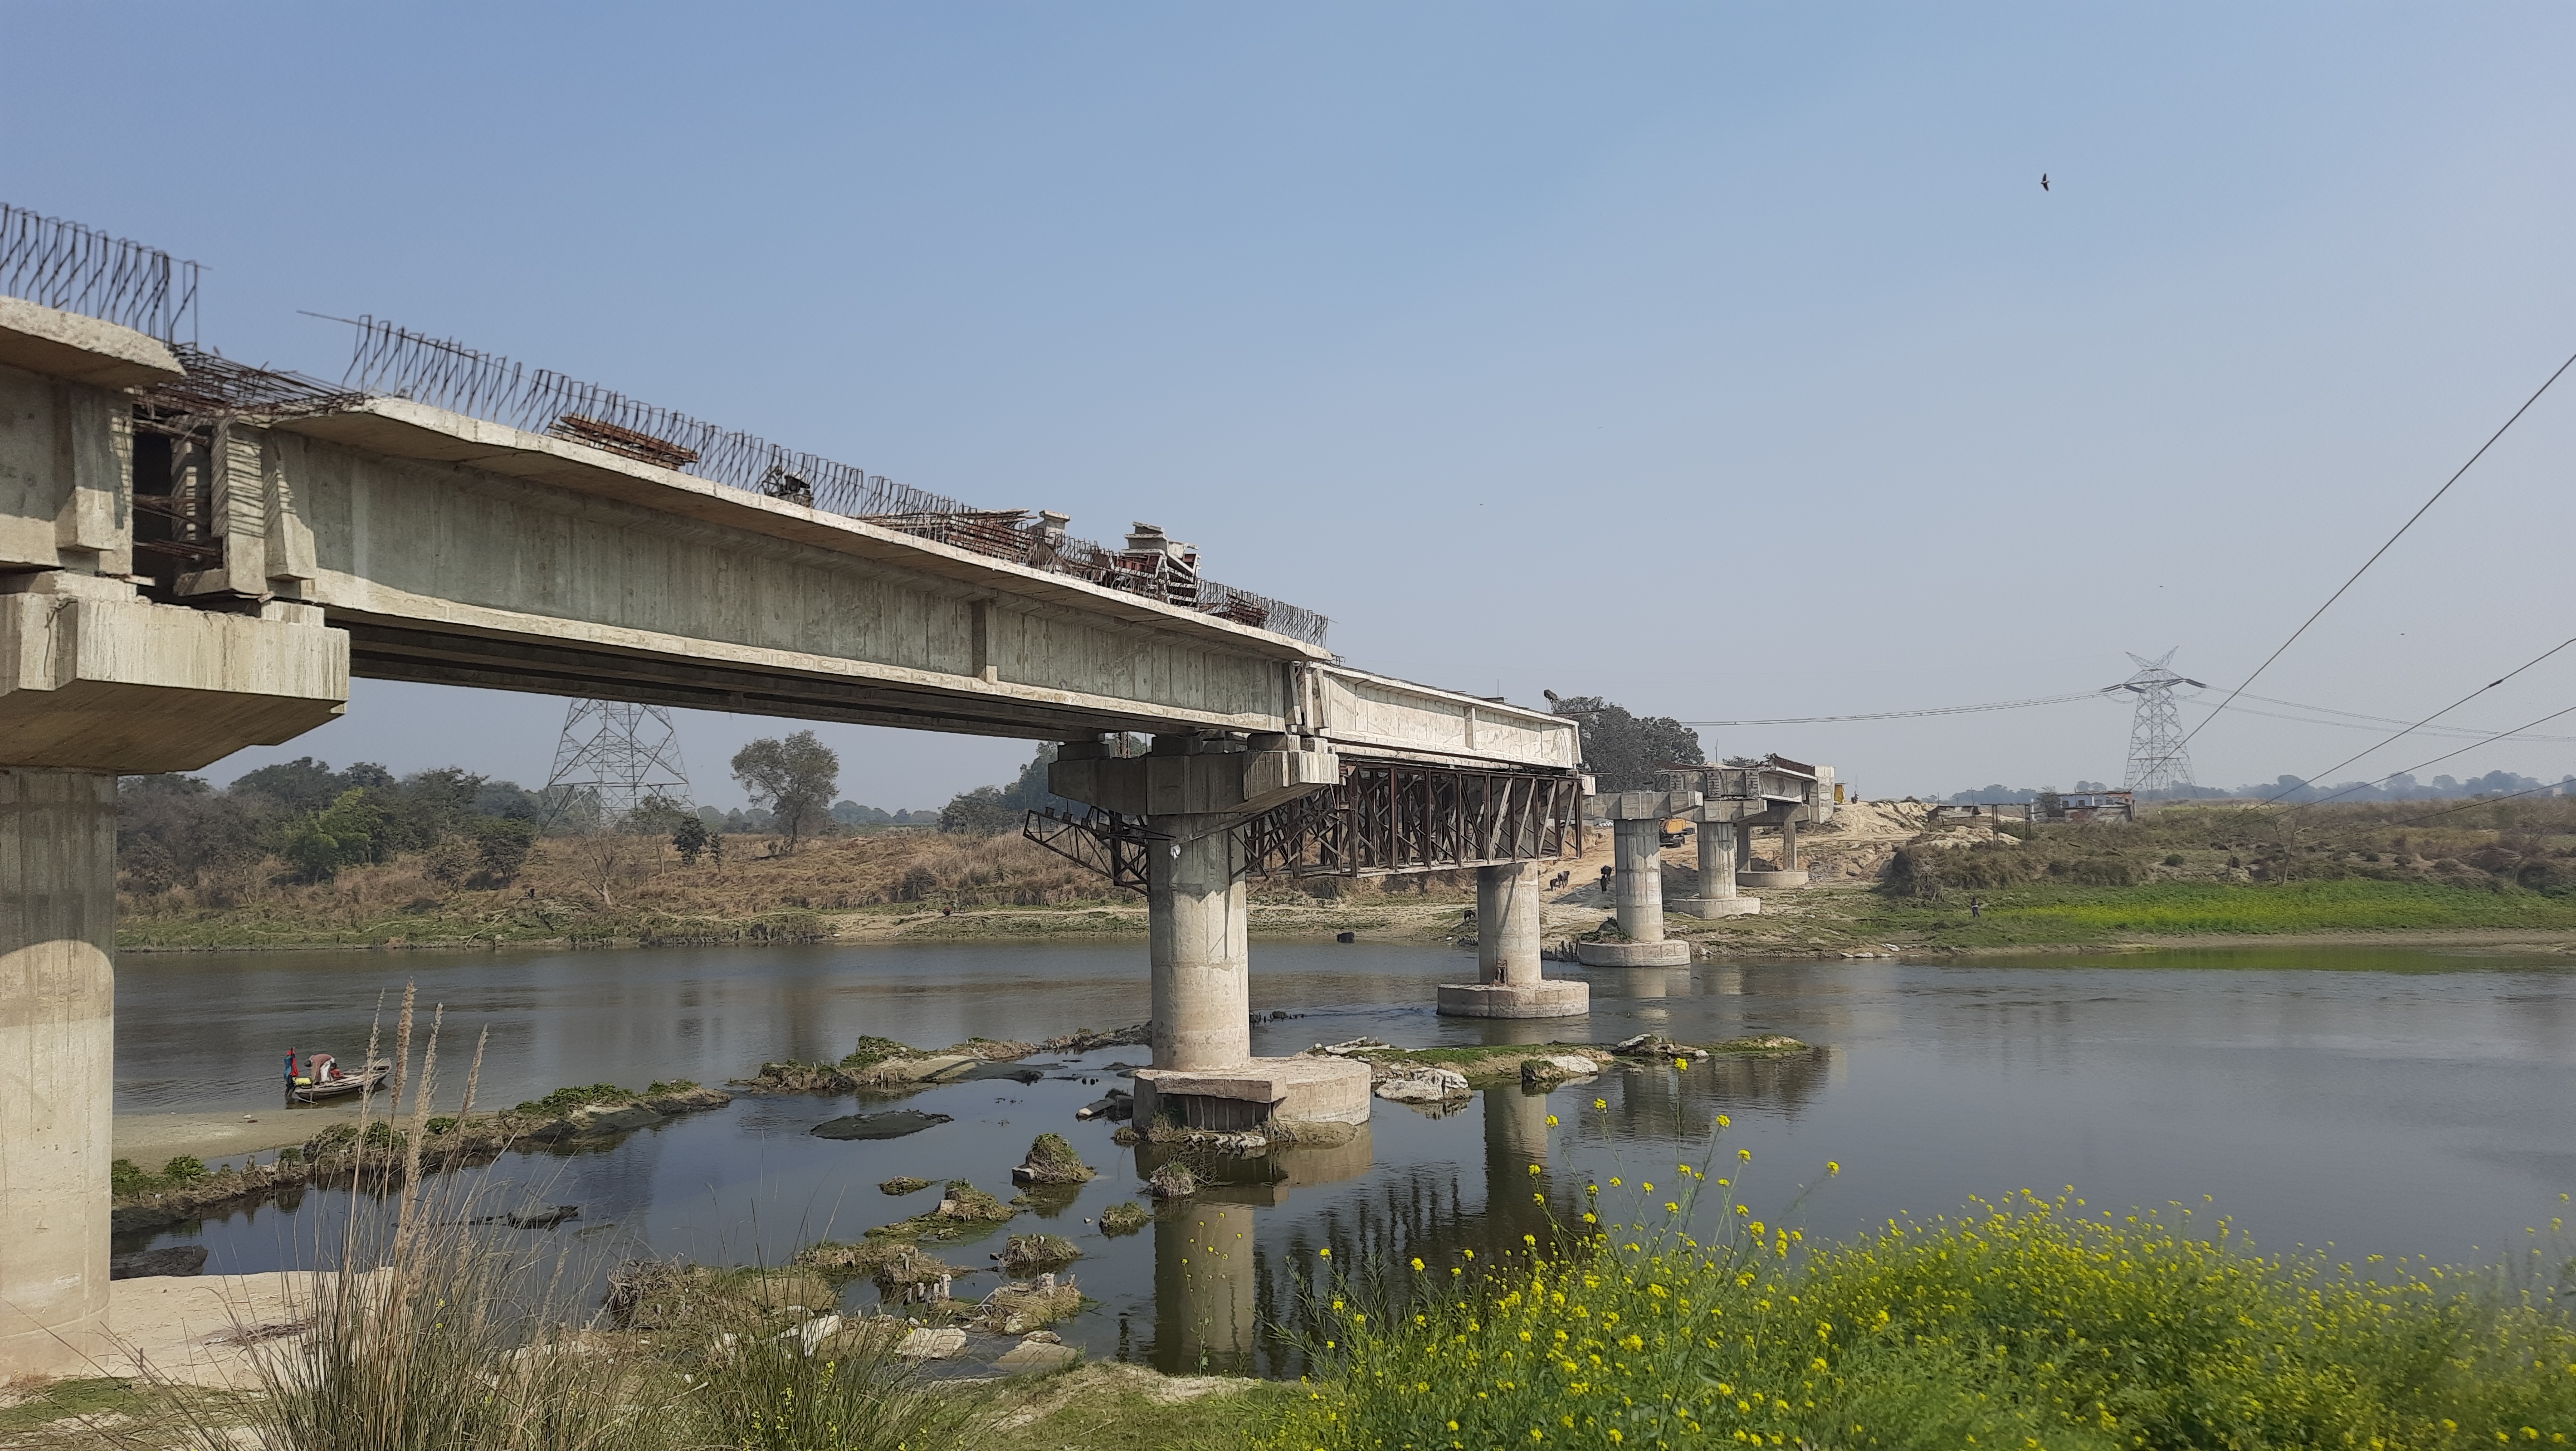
395 650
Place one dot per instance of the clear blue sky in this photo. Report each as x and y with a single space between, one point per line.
1728 361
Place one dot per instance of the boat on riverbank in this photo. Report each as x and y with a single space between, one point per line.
372 1076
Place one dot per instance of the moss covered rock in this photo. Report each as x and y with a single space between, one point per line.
1051 1160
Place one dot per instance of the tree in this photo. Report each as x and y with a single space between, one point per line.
689 839
1625 751
795 779
1030 793
351 832
980 812
658 815
501 846
303 784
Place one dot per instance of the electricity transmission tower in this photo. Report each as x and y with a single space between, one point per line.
616 756
2157 761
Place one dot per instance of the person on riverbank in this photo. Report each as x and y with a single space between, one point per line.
290 1068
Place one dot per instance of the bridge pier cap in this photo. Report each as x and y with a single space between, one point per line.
99 679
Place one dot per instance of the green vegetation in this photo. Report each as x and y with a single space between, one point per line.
2053 914
2033 1324
1103 1407
793 779
872 1051
124 1178
1124 1217
564 1100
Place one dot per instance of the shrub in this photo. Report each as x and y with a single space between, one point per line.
762 1390
451 861
564 1100
2030 1323
2174 859
501 846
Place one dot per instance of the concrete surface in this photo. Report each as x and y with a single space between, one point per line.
1552 998
1771 879
57 1051
1311 1090
1669 953
1509 983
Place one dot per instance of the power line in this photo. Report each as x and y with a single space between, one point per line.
2437 760
2382 549
2445 710
2455 732
2480 801
1904 714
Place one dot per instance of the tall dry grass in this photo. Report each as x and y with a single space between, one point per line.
435 1327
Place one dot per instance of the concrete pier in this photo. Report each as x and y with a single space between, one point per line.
1194 793
57 1053
1508 981
1637 886
1197 920
1717 857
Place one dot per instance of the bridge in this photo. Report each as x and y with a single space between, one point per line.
197 556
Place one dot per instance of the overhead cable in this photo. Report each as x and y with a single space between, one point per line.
2476 802
2454 732
2437 760
2445 710
1904 714
2382 549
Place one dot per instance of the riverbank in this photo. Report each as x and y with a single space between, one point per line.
1808 921
1884 875
1090 1407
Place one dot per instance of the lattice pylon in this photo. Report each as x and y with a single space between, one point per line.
617 755
2157 760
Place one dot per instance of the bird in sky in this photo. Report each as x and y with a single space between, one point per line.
2043 181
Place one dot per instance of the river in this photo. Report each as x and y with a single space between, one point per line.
2384 1100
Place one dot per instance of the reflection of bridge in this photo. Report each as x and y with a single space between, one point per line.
196 556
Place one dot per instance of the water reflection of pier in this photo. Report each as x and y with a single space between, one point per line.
1211 1277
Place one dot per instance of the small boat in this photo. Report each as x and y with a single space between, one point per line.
374 1076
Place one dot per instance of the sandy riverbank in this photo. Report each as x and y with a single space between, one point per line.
150 1139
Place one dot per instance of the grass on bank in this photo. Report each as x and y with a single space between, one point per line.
2032 1323
2047 913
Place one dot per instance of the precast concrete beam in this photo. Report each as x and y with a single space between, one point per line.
1656 806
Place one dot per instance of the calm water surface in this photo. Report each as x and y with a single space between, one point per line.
2384 1100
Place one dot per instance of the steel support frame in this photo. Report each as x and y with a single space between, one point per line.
1388 818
